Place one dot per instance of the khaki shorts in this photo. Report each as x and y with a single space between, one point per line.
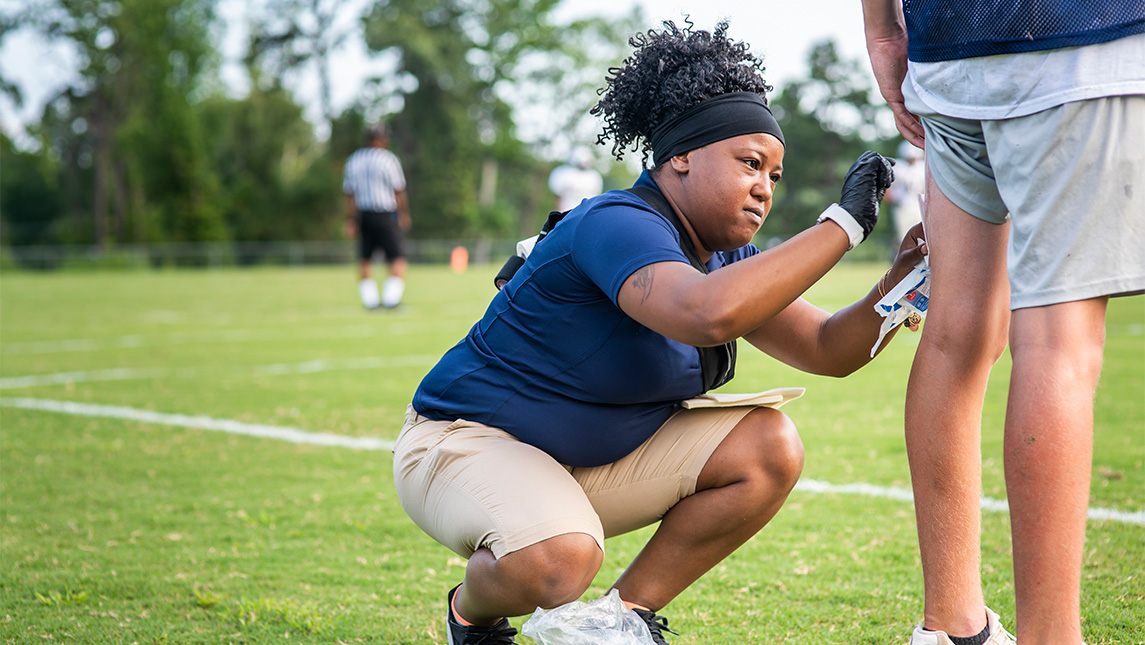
469 485
1071 180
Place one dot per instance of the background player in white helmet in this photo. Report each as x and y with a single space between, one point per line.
575 180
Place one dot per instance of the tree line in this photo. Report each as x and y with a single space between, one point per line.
145 145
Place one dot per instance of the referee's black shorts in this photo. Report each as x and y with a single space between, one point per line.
380 230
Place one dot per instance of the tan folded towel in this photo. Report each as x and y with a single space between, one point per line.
769 399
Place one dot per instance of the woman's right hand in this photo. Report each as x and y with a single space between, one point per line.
863 188
912 249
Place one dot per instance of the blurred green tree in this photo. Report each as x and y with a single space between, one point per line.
143 147
276 181
289 34
466 67
30 198
131 116
828 120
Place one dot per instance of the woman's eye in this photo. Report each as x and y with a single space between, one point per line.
752 163
775 178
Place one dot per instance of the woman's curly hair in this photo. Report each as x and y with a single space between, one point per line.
670 71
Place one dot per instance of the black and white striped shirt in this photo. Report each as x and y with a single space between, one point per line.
372 175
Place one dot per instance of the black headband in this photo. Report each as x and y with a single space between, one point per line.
715 119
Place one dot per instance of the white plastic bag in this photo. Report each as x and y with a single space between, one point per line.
604 621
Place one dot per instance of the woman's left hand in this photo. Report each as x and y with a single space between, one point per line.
912 250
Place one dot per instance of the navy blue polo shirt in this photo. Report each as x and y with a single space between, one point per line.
554 361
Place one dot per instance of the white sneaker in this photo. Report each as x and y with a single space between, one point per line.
392 290
998 634
368 291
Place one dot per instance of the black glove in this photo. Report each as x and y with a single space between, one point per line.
866 183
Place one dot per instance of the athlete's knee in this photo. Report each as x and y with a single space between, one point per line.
1070 335
969 337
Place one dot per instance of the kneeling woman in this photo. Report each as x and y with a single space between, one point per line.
555 423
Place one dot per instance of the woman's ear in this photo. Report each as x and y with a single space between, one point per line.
681 163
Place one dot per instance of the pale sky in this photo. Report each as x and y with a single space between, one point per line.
782 31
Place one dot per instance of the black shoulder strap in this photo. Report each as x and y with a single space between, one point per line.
515 262
655 199
717 364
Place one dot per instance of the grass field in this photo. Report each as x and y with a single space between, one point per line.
121 522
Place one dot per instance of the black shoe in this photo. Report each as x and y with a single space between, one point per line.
656 625
458 634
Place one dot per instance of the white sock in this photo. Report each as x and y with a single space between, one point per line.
392 290
368 290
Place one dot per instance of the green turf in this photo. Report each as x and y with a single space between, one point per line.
116 531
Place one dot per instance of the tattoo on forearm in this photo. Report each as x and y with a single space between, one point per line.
643 282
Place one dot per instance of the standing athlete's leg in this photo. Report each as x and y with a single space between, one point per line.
367 288
964 335
1074 175
367 244
393 243
1057 353
398 267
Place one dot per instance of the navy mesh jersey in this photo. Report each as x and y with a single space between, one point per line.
954 29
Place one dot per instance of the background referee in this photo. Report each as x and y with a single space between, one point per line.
377 213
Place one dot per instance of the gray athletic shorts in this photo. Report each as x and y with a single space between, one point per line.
469 485
1072 181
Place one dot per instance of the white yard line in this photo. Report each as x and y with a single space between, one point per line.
62 378
274 369
294 435
398 328
132 341
333 364
987 503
